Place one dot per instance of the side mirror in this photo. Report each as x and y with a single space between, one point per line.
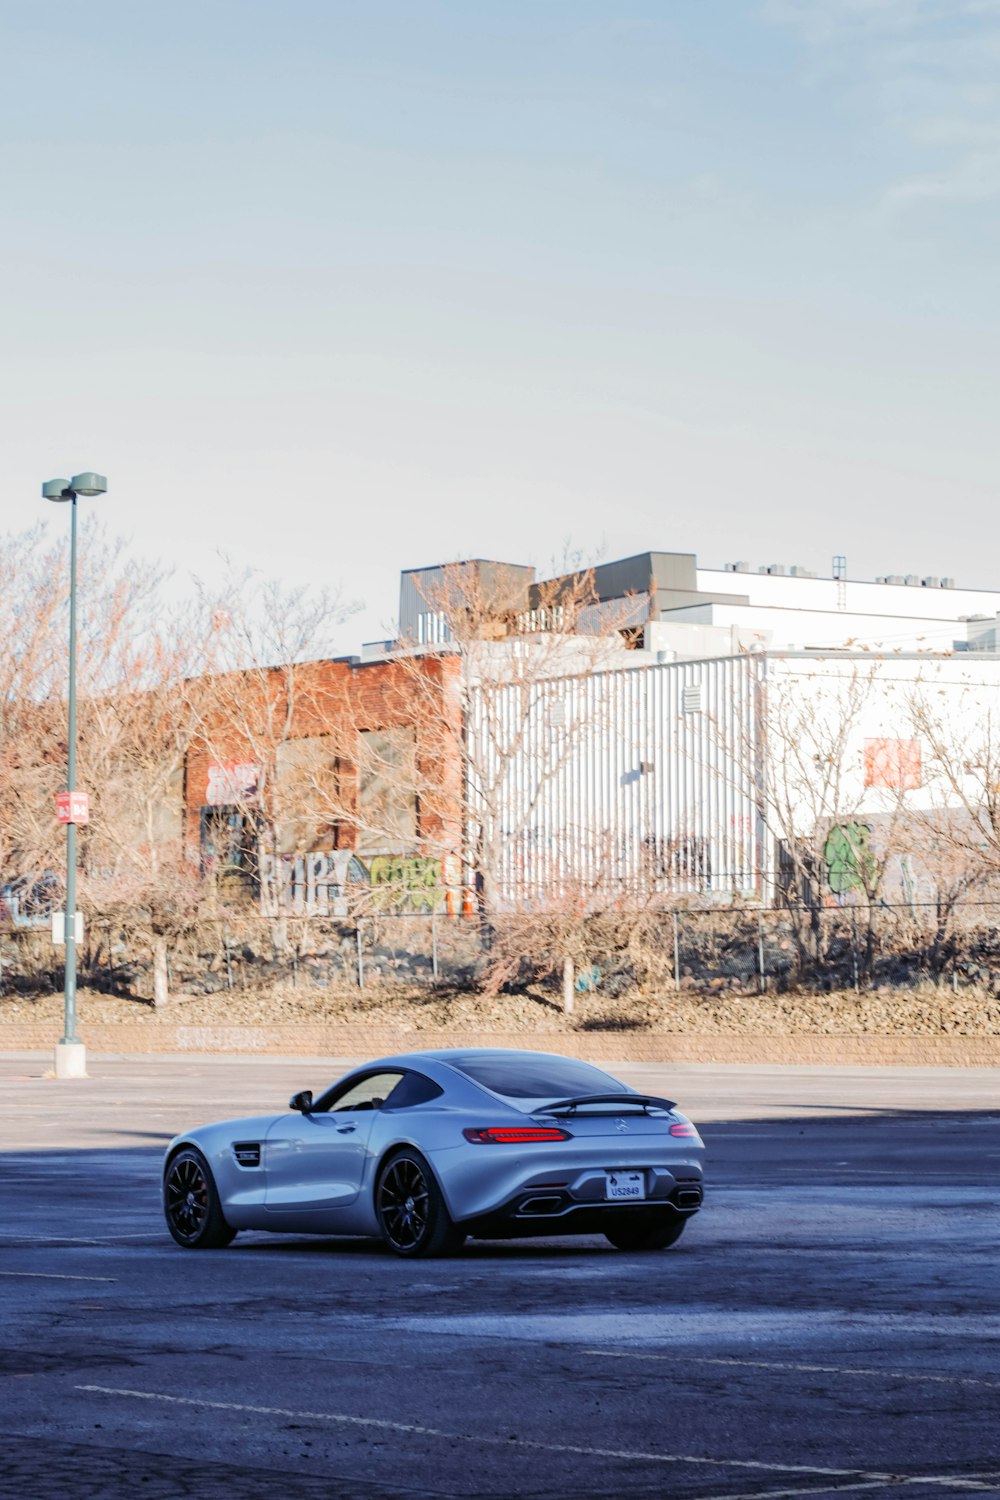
302 1102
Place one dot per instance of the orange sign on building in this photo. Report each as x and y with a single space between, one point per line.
893 763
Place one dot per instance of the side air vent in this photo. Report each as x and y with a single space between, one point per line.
247 1153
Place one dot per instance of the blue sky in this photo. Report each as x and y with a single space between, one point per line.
339 289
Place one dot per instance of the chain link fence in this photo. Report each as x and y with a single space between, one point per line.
705 951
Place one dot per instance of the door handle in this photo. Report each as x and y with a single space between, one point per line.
344 1129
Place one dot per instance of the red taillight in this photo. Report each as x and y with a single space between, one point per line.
684 1127
515 1135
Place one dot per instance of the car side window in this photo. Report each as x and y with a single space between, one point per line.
368 1093
413 1089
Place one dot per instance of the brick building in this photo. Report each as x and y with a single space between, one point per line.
309 777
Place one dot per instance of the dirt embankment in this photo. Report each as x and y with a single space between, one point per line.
926 1013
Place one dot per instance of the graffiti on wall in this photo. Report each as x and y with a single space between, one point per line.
28 900
411 881
231 781
315 884
322 883
850 864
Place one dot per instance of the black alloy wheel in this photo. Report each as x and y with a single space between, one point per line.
641 1231
191 1204
411 1211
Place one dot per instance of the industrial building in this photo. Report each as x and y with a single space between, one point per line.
644 729
726 777
665 603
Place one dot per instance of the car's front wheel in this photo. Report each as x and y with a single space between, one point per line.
411 1209
646 1231
191 1203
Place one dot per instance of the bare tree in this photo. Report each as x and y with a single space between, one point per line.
512 735
33 586
520 657
833 829
955 835
133 659
135 733
960 734
264 695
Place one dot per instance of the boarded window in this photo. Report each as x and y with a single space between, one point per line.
387 794
168 815
892 763
308 800
147 810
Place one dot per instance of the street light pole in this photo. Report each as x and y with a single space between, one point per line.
70 1038
71 1053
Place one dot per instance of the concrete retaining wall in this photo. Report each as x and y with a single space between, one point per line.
313 1039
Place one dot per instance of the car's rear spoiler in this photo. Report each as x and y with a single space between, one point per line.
570 1106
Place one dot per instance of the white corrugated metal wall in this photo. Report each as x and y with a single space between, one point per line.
618 784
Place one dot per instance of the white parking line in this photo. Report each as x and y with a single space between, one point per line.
55 1276
778 1364
501 1442
860 1479
970 1482
48 1239
75 1239
827 1489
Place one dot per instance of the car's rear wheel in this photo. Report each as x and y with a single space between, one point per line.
191 1203
646 1231
411 1210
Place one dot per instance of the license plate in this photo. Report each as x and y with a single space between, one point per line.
623 1185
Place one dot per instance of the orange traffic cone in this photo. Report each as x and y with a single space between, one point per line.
449 903
468 910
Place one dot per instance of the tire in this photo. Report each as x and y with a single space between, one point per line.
191 1204
647 1232
411 1210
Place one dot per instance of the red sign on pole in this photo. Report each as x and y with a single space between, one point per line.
73 807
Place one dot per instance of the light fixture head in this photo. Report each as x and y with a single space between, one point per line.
57 489
89 484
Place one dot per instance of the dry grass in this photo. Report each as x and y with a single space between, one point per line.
918 1012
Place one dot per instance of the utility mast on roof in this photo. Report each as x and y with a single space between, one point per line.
840 574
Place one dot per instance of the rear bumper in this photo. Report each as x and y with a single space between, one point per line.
556 1211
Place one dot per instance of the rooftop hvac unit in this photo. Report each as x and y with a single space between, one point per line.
911 580
894 578
931 583
777 570
947 583
738 567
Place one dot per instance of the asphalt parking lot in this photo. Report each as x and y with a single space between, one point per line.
829 1324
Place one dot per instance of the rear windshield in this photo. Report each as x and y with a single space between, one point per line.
530 1077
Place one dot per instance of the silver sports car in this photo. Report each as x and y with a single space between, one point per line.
428 1148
